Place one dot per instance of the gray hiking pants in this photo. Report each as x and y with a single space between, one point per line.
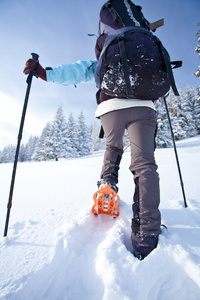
141 125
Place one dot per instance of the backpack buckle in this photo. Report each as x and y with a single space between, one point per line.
121 37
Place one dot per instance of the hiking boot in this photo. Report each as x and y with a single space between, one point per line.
101 183
143 245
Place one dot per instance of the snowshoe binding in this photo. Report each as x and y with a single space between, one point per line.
106 201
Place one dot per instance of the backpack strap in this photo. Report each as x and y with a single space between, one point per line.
116 33
122 51
166 59
116 18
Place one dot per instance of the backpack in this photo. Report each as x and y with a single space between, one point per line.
133 62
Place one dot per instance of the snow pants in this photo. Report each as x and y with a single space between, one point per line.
140 123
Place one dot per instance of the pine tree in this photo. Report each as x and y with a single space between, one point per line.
43 147
84 137
8 154
29 148
178 115
73 135
198 94
198 51
22 153
60 141
163 136
190 112
96 142
197 109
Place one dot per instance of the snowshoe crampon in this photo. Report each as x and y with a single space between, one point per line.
106 202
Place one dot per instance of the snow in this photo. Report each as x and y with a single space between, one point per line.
56 249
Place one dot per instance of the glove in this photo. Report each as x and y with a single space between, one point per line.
30 65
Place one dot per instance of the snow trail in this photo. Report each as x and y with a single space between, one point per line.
60 250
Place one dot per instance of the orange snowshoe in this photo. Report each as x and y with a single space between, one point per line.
106 202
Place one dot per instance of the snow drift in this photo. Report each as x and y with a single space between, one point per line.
57 249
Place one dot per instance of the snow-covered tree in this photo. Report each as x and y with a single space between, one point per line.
198 51
197 109
189 108
63 139
183 113
61 143
73 135
96 141
84 136
22 153
163 137
43 147
178 116
27 151
8 154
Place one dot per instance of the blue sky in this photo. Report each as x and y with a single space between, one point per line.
57 30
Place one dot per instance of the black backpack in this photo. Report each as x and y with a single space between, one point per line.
133 62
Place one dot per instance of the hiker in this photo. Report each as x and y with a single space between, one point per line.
124 104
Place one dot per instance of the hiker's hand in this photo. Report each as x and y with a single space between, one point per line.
30 65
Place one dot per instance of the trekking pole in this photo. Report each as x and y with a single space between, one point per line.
175 151
29 81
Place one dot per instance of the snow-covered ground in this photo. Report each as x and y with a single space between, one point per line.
56 249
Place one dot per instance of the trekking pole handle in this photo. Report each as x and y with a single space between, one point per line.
35 56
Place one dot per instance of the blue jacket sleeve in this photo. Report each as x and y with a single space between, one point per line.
72 74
